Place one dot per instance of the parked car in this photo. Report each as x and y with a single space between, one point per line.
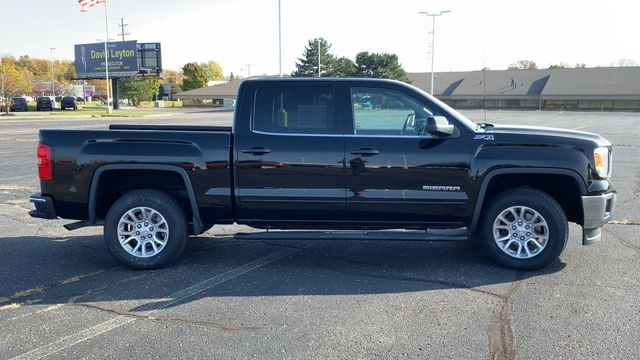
45 103
307 154
80 100
19 104
68 102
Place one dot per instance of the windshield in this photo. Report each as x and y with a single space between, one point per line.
463 119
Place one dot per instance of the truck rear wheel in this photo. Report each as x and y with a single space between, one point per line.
524 228
146 229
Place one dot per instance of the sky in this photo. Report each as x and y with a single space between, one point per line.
235 33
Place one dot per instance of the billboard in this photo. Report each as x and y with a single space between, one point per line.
123 59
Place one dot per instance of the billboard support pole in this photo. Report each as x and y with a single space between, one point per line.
106 55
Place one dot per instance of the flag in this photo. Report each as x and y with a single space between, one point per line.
86 4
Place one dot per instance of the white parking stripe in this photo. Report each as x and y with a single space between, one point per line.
172 299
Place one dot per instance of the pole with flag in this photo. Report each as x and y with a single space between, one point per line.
84 7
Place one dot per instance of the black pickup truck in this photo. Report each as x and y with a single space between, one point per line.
364 158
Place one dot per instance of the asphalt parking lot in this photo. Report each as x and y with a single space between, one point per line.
63 295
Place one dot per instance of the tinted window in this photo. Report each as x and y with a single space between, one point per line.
299 109
378 111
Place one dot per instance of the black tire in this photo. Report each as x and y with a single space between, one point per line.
539 201
164 204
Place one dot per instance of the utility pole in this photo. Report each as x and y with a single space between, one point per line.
433 38
122 29
53 83
248 70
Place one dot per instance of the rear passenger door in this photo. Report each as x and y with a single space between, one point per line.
290 159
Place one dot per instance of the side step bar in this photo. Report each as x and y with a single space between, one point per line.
431 235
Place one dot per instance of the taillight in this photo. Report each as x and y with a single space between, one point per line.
45 162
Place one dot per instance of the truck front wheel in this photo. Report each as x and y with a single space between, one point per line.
524 228
146 229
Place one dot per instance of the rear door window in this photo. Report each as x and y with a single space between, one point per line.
295 110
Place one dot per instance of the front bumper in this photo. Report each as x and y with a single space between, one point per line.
597 210
44 207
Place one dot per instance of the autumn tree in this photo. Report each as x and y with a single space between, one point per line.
213 70
173 77
12 82
194 76
523 65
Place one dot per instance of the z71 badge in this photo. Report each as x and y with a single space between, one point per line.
484 137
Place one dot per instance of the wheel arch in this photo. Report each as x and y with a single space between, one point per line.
101 171
541 180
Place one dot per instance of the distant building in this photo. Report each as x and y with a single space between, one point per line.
607 88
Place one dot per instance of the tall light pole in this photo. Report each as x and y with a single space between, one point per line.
318 57
279 39
53 83
433 37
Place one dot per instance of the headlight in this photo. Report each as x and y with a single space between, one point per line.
601 160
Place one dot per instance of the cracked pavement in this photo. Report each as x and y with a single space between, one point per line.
62 295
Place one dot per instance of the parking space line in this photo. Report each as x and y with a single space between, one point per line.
174 298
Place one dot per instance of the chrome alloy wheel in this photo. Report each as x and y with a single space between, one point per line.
521 232
143 232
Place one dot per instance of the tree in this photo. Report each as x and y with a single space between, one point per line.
194 76
523 65
380 65
139 89
580 65
213 70
12 82
174 78
342 67
560 65
307 65
624 62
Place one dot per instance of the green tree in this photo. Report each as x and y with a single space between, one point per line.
194 76
380 65
12 82
213 70
523 65
139 89
343 67
307 65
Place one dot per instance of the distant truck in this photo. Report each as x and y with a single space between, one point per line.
358 155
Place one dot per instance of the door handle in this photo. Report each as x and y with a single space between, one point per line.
366 152
256 151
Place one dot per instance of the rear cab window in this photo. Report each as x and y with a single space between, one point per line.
295 110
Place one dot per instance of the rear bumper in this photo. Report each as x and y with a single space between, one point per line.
44 207
597 211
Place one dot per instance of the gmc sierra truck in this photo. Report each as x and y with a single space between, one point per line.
348 158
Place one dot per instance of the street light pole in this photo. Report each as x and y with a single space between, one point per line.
279 39
433 38
53 83
318 57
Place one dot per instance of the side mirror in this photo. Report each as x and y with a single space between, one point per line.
439 125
